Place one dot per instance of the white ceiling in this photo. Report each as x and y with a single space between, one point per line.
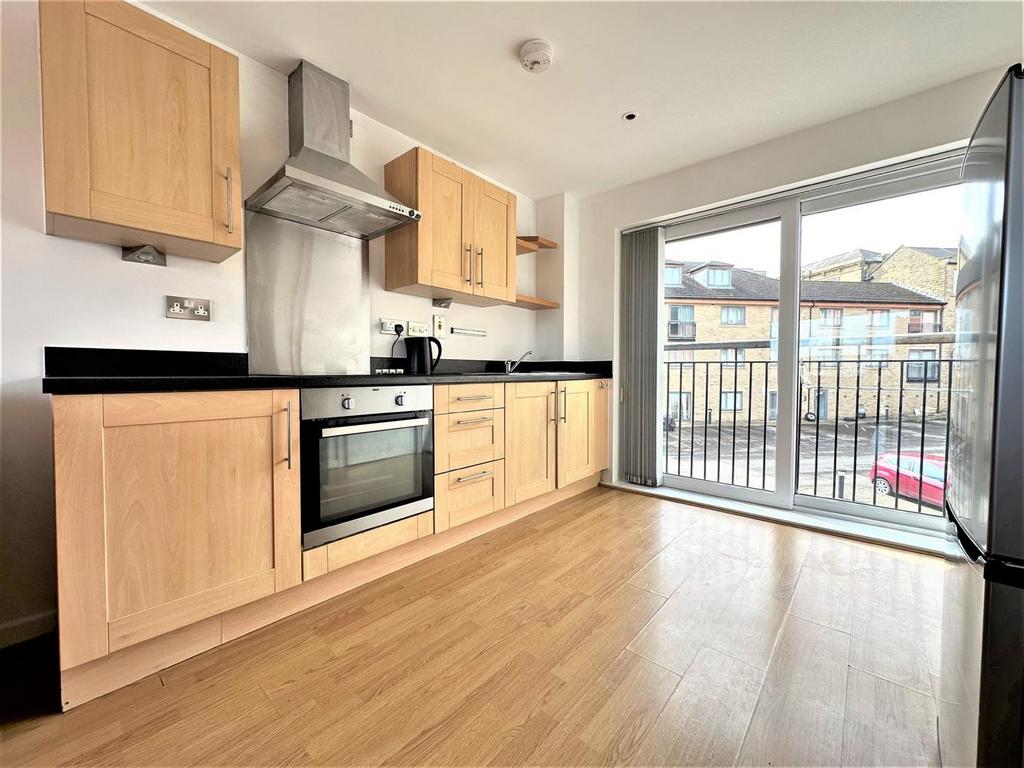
706 78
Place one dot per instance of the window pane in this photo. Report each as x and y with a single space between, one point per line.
719 385
875 279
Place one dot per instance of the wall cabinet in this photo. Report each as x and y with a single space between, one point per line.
556 434
170 508
464 247
140 131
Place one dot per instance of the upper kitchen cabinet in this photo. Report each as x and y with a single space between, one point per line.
140 131
464 247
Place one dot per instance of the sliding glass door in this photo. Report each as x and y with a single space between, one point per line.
807 344
721 375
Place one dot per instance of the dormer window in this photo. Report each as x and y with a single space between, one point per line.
673 275
715 277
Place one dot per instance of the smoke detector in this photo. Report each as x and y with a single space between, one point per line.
535 55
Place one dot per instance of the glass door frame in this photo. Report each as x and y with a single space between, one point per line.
931 171
787 213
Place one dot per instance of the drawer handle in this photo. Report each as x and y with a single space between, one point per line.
475 397
477 476
475 421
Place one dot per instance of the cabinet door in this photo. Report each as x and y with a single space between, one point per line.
152 113
494 237
199 510
577 443
450 209
602 424
529 440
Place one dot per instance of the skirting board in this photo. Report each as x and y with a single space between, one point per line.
95 678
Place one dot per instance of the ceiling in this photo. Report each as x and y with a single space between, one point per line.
705 78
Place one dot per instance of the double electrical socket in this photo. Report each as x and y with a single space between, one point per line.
414 327
186 308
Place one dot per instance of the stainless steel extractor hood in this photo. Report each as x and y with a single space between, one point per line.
318 186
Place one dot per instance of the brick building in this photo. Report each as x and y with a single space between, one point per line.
721 338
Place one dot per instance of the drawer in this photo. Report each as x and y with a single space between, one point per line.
338 554
459 398
466 494
464 439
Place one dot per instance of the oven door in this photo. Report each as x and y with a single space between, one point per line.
362 472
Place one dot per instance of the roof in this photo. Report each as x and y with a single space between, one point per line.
945 254
748 285
857 255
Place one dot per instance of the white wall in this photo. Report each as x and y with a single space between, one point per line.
64 292
557 272
926 120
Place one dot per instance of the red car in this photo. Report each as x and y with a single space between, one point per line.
883 475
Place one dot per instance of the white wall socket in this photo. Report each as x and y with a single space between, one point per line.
440 326
416 328
387 326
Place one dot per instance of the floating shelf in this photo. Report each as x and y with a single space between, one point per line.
533 243
532 302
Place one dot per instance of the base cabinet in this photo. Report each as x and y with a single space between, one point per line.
556 434
466 494
170 508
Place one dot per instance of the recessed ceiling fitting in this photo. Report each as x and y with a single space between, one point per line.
535 55
629 117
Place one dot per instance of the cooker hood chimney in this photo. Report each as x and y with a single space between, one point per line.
318 186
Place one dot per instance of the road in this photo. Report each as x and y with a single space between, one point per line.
832 458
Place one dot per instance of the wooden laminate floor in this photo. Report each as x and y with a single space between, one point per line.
609 629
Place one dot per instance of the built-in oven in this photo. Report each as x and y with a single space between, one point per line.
367 459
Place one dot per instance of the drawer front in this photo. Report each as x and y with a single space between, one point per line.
459 398
466 494
464 439
338 554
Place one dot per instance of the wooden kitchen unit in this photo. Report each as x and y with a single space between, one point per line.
557 433
178 514
140 131
464 247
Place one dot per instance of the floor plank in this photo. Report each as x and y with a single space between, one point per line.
887 724
799 715
704 721
612 628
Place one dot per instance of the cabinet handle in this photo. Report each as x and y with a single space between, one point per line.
477 476
475 421
469 263
289 434
554 415
480 253
565 403
475 397
231 208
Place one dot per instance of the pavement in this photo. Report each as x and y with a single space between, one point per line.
749 465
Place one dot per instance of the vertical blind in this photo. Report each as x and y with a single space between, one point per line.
641 254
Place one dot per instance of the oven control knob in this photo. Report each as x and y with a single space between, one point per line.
399 399
348 403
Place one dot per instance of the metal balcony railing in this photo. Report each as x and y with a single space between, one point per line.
921 326
868 433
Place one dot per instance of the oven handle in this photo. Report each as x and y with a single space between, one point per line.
380 426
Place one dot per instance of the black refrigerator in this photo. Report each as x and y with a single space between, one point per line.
980 690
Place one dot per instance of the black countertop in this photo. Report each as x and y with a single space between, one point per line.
82 371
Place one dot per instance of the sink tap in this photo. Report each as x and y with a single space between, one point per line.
511 366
